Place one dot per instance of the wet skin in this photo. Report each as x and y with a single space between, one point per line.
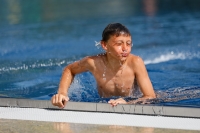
115 72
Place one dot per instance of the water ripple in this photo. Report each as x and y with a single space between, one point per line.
32 65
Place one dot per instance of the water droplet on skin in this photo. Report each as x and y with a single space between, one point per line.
104 76
122 32
104 73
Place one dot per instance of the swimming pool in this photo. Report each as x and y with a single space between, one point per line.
39 38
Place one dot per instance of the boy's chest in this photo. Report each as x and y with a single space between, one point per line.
116 83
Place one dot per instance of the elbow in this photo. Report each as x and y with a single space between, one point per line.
68 70
67 74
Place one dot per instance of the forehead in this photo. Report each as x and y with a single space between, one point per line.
120 37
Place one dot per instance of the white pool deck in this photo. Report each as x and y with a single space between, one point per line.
183 118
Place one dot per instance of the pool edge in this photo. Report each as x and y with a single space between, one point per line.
187 112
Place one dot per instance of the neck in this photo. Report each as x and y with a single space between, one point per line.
115 64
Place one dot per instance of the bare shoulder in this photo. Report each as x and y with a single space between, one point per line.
90 62
136 61
91 59
81 65
87 62
138 65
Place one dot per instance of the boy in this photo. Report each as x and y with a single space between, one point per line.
115 71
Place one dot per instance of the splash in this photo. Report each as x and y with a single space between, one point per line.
97 44
172 56
178 94
83 88
32 65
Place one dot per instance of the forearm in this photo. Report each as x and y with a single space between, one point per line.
69 72
147 89
145 99
65 82
151 95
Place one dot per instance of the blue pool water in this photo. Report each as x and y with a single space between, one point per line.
39 38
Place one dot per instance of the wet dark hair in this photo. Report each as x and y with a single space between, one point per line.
116 29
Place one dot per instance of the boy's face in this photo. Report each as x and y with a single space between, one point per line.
118 47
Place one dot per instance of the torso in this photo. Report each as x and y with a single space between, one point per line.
114 83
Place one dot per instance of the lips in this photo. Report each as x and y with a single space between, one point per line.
124 54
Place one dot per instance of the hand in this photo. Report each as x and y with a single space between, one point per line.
117 101
59 100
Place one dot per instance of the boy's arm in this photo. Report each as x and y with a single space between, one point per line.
143 82
143 79
61 98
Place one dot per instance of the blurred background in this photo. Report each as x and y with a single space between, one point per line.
39 38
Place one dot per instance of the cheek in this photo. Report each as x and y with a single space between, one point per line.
129 50
114 50
117 50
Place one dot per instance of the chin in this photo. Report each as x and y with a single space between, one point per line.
123 58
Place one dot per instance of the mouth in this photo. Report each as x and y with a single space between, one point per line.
124 54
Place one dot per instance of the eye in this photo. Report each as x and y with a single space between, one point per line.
129 43
119 43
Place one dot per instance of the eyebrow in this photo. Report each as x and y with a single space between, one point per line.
123 41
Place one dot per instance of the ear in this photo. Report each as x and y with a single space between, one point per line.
104 45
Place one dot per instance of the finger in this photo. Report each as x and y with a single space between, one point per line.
53 100
121 101
61 101
65 100
114 103
111 100
56 100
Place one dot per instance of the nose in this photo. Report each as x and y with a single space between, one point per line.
124 47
